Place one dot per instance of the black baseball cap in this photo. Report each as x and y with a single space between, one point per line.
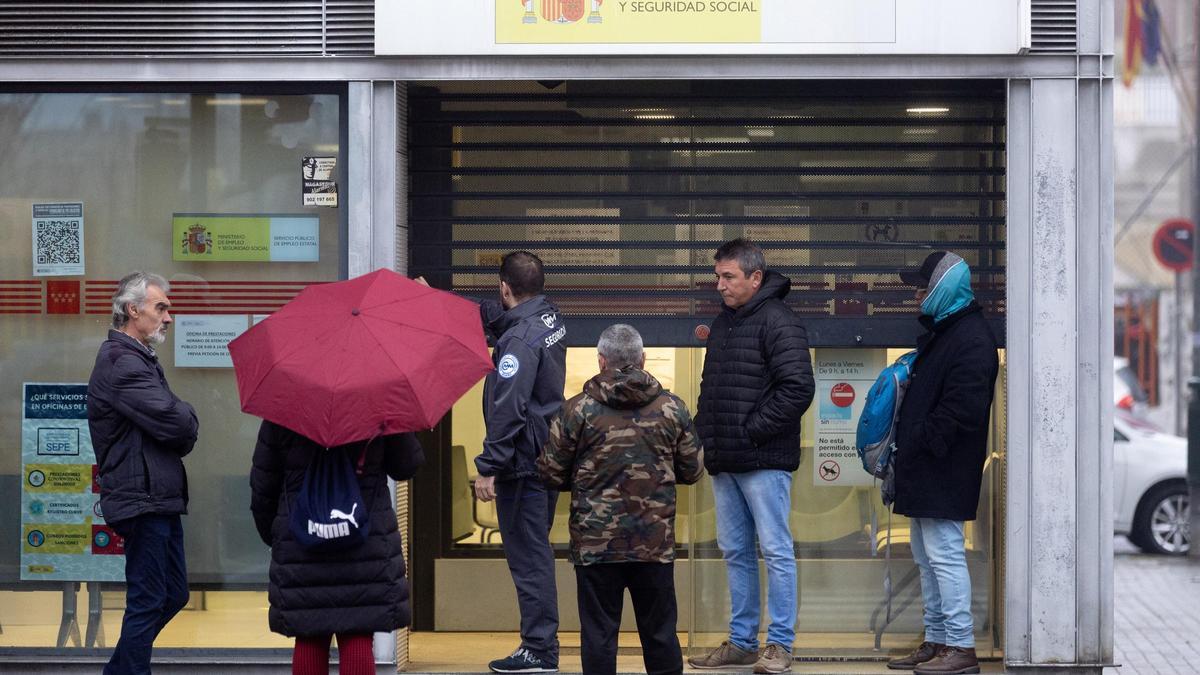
920 276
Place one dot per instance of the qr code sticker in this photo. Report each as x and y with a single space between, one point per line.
58 242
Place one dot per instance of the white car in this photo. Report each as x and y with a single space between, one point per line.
1128 393
1150 487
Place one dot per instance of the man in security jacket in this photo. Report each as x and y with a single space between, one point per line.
941 447
520 398
141 431
756 384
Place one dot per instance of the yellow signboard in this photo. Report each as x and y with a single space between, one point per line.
628 21
69 478
201 237
58 538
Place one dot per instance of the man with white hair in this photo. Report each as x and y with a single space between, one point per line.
141 431
620 448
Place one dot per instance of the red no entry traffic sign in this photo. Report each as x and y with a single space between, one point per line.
1173 244
842 394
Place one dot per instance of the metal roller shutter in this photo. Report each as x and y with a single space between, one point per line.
625 189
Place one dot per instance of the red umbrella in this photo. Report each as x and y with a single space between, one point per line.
346 361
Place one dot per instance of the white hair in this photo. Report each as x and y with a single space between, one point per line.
132 291
621 345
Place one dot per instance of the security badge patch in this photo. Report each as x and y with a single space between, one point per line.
509 365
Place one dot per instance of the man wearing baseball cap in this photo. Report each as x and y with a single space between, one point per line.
941 445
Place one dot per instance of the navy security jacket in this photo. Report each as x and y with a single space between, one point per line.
756 384
525 392
140 432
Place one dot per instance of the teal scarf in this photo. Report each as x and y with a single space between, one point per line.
949 293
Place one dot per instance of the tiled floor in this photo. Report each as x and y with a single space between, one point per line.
470 652
1157 613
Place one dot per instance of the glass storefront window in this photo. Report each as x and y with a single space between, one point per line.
841 532
473 523
839 525
136 161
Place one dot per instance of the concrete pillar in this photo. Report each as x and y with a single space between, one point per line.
372 197
1058 563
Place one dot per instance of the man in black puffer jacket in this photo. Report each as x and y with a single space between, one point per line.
141 432
757 383
941 446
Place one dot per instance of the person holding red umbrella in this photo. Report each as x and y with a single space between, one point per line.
339 375
520 398
351 593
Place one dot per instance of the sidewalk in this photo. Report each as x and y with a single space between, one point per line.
1157 615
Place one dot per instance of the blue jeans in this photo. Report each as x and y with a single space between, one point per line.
749 504
938 550
156 587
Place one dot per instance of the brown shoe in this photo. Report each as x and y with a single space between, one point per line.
728 654
774 659
920 655
950 661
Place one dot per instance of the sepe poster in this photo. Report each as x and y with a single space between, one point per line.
843 378
57 239
63 533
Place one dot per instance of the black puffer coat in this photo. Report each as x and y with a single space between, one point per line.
314 594
757 383
942 429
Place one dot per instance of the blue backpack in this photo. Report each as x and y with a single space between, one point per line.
876 445
876 438
329 513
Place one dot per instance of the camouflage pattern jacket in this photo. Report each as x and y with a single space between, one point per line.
620 447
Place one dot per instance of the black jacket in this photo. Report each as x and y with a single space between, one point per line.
942 429
756 384
140 432
362 590
525 392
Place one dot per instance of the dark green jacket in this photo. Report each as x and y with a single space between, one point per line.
620 447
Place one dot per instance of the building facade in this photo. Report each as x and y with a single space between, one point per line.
250 150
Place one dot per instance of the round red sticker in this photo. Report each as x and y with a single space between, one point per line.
842 394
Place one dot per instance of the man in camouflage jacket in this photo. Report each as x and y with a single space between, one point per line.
620 447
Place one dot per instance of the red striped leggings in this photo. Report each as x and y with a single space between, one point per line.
311 655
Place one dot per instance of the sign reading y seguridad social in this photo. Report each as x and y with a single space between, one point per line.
600 27
843 377
63 533
211 237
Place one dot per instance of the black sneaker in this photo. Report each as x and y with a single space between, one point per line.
522 661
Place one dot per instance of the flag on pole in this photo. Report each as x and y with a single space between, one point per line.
1132 61
1142 40
1151 41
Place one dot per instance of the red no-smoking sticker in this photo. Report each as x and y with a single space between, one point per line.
842 394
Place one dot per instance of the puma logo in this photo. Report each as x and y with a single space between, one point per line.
334 513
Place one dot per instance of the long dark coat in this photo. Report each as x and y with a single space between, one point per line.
942 429
362 590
